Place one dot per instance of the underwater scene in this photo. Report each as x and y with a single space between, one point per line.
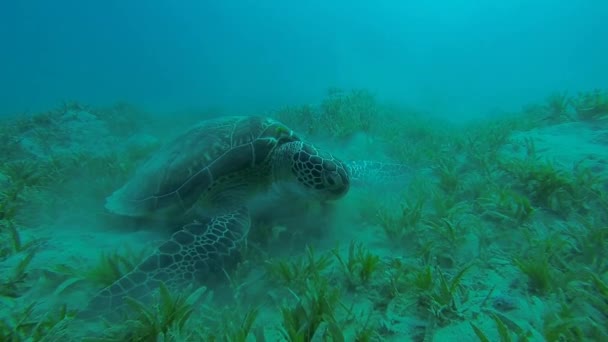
324 171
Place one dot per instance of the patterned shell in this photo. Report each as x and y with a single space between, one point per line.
217 156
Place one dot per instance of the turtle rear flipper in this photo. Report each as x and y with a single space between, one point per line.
194 253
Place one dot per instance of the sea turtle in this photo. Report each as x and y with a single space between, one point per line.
211 171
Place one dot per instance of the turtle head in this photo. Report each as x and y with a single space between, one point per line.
312 171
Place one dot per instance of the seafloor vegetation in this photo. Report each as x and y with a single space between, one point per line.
497 236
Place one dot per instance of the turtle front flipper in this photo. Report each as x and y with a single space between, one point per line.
192 254
374 172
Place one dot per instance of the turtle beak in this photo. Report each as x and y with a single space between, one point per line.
338 183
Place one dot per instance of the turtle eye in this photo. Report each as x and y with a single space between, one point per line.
331 181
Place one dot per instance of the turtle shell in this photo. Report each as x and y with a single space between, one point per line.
212 161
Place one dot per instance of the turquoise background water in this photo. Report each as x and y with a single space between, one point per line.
451 57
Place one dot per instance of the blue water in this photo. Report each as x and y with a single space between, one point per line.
451 57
